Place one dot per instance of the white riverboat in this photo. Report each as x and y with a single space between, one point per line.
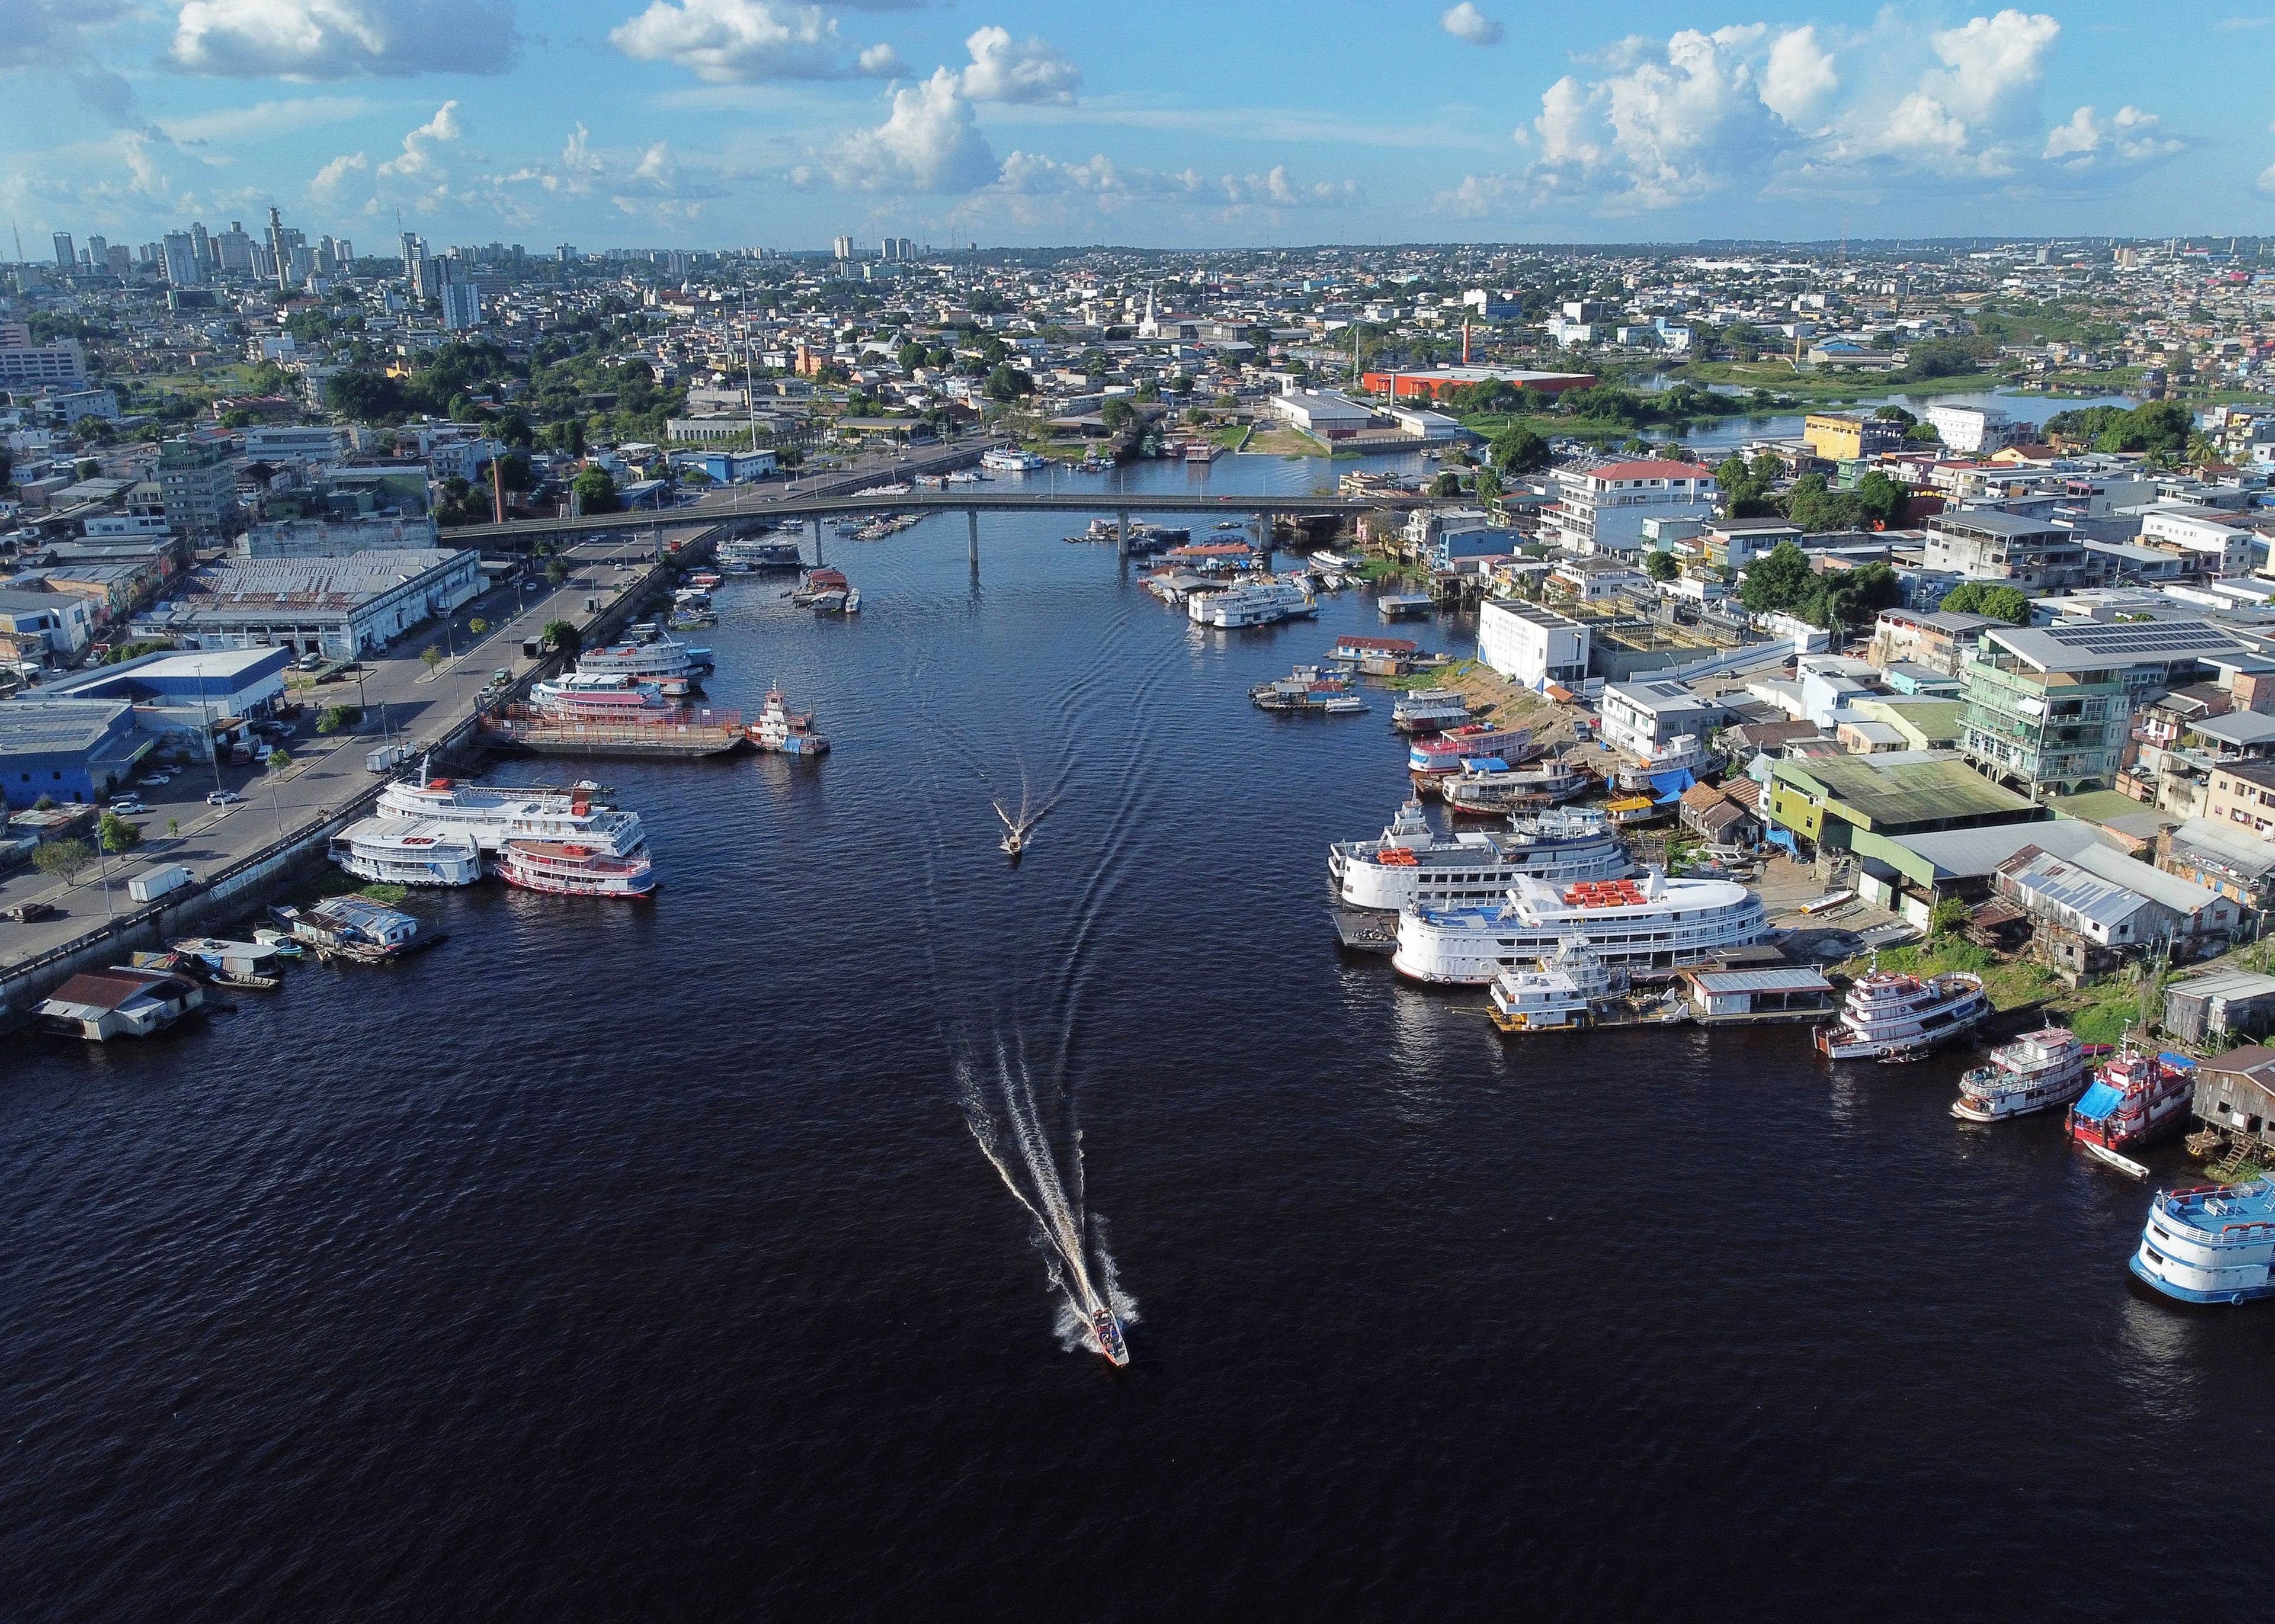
1890 1015
1652 925
598 696
1481 789
567 869
1685 754
408 851
1009 459
1559 996
661 659
747 553
1428 710
2037 1072
1411 865
492 814
1250 603
2210 1243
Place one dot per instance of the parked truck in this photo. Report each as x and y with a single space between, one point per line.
387 757
152 884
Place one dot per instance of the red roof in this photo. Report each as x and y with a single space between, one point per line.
1650 468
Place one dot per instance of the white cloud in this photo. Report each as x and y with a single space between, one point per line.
728 42
1007 69
2131 136
1799 79
2266 184
331 185
336 39
33 31
929 144
417 159
1646 124
1470 26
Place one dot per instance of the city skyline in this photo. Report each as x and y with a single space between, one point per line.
751 122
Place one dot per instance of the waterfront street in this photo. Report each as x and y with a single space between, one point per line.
402 700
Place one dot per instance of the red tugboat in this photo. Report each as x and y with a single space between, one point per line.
2133 1099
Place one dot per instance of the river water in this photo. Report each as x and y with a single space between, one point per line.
641 1261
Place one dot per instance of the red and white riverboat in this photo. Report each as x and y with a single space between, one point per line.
570 870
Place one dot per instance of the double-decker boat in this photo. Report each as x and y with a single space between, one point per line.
660 659
2134 1099
2036 1072
1010 460
1250 603
2210 1243
570 870
599 695
1652 925
408 851
1431 710
1485 787
1411 865
1888 1015
492 814
1686 753
1433 759
786 732
1559 996
751 553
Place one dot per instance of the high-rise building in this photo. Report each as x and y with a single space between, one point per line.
343 253
198 490
209 260
98 253
233 248
280 251
119 259
462 306
66 255
179 253
843 248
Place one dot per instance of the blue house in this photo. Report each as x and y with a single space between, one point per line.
66 750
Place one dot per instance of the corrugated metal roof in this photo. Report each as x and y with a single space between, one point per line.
57 725
1969 854
1798 978
2232 985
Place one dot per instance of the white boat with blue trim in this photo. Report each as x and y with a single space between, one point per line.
2210 1243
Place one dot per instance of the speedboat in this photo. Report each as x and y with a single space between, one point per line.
1106 1330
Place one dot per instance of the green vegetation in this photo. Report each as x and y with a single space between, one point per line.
1517 449
385 893
1661 566
595 491
63 860
2162 428
116 834
2009 984
123 652
1783 581
562 637
338 717
2007 603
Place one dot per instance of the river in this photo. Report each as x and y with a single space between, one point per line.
617 1262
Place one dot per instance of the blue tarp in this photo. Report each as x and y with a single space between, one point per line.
1671 785
1487 764
2180 1061
1782 837
2099 1101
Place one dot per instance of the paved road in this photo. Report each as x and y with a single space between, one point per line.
417 703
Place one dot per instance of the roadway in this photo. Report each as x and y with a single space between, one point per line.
402 699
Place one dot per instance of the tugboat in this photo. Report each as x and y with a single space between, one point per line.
786 732
1106 1330
1891 1015
2134 1097
2037 1070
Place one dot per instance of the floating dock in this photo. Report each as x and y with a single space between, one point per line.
701 733
1364 931
1399 605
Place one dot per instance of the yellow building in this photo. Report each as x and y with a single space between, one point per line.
1838 437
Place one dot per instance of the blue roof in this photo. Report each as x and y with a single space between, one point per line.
2099 1101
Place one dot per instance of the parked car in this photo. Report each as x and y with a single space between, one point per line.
24 913
127 805
151 780
222 798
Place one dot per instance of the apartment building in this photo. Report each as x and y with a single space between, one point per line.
2048 711
1602 509
199 488
1984 544
2242 796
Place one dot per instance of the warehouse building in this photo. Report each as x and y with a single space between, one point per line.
340 607
68 751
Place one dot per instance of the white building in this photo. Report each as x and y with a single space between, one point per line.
27 365
340 607
1321 412
2214 545
296 442
1602 509
1531 646
1642 717
462 306
1973 428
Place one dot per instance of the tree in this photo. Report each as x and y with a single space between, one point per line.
1661 566
433 657
1445 484
1488 485
1777 582
366 394
1517 449
1116 414
278 759
63 857
478 625
1895 414
562 637
595 491
116 834
337 717
2011 604
1948 915
556 570
1007 383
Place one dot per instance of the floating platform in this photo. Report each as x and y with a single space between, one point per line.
711 733
1399 605
1366 932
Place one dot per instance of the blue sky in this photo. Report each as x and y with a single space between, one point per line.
759 122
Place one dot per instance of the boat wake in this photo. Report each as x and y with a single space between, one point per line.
999 1108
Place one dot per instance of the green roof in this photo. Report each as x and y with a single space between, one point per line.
1892 796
